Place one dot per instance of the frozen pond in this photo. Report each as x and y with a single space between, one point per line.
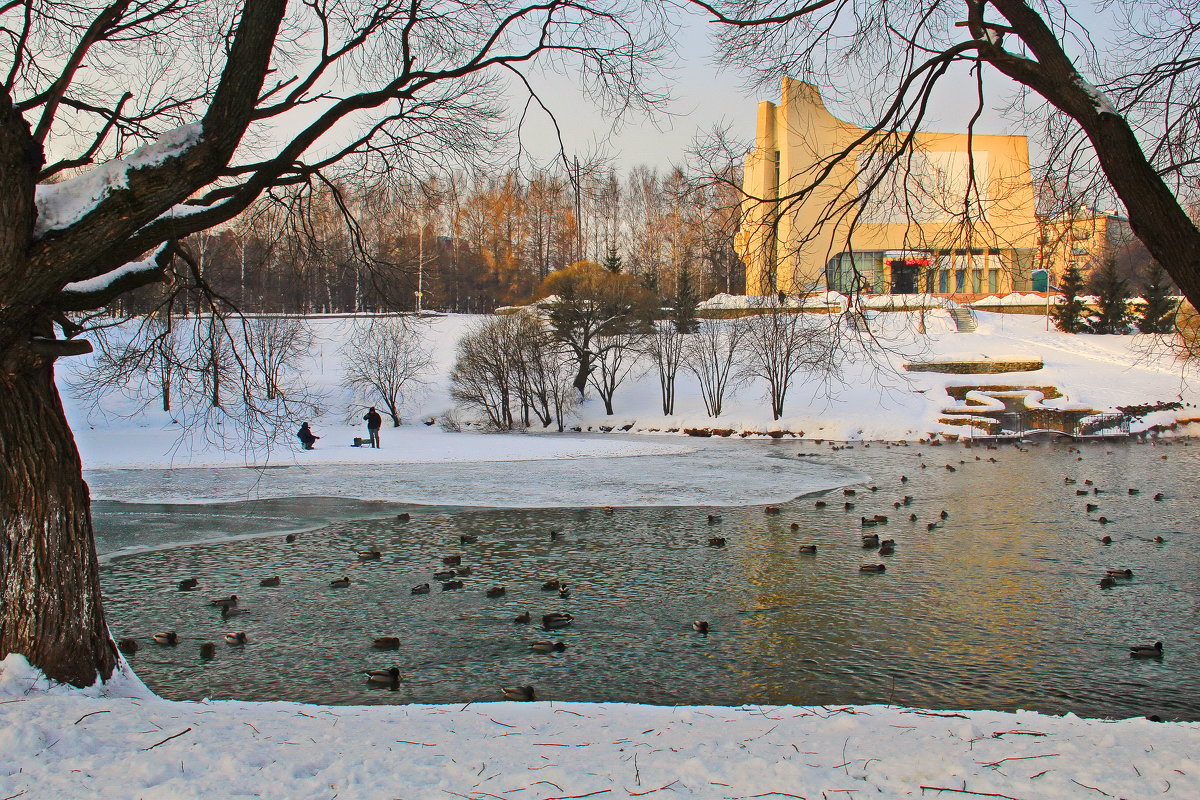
997 607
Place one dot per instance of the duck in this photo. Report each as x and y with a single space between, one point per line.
128 646
944 514
231 611
700 626
1068 481
208 650
369 555
887 547
449 585
444 574
238 638
274 580
226 602
452 561
1103 520
1105 540
904 479
496 591
1091 507
872 568
819 504
931 525
771 510
870 540
339 583
557 535
1159 539
1158 496
187 584
795 526
1135 491
564 592
1127 574
912 517
1107 582
169 638
1079 492
389 676
524 618
848 505
547 647
467 538
849 492
907 500
552 585
716 541
868 523
290 538
463 572
1146 650
386 643
608 509
421 589
523 693
713 519
808 549
880 519
556 619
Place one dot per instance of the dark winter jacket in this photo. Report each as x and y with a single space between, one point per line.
373 419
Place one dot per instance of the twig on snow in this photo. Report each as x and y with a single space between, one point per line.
1093 788
164 741
85 716
964 791
1016 758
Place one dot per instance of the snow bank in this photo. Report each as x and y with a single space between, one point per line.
117 742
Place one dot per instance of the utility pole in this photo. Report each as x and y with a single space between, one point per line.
420 263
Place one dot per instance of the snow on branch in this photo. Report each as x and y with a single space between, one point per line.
102 283
1099 99
61 205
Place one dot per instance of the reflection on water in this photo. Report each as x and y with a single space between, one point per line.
997 607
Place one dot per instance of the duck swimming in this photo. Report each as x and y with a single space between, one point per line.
524 693
1146 650
700 626
274 580
389 676
556 619
422 589
547 647
187 584
169 638
524 618
226 602
238 638
386 643
339 583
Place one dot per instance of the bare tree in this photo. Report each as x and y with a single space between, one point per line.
664 347
383 358
192 111
228 385
617 356
483 377
1121 105
782 342
711 354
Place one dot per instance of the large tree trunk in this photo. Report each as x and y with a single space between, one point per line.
49 579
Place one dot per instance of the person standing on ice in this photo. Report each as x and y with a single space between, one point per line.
306 436
374 423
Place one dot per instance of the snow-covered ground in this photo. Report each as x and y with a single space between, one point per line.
871 398
122 742
119 741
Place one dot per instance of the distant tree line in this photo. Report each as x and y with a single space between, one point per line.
468 242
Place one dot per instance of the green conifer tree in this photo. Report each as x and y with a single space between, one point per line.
1070 315
1158 315
685 303
612 259
1112 300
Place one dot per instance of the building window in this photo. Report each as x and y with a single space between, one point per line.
943 281
993 280
960 280
976 281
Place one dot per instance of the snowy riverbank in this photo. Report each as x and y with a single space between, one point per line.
871 398
122 742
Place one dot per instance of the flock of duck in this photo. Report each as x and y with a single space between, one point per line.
450 577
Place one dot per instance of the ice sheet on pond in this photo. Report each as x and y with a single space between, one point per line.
718 474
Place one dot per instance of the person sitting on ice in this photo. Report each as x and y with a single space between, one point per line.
306 436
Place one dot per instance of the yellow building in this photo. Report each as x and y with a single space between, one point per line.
828 205
1084 239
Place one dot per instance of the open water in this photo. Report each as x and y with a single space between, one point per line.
999 606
